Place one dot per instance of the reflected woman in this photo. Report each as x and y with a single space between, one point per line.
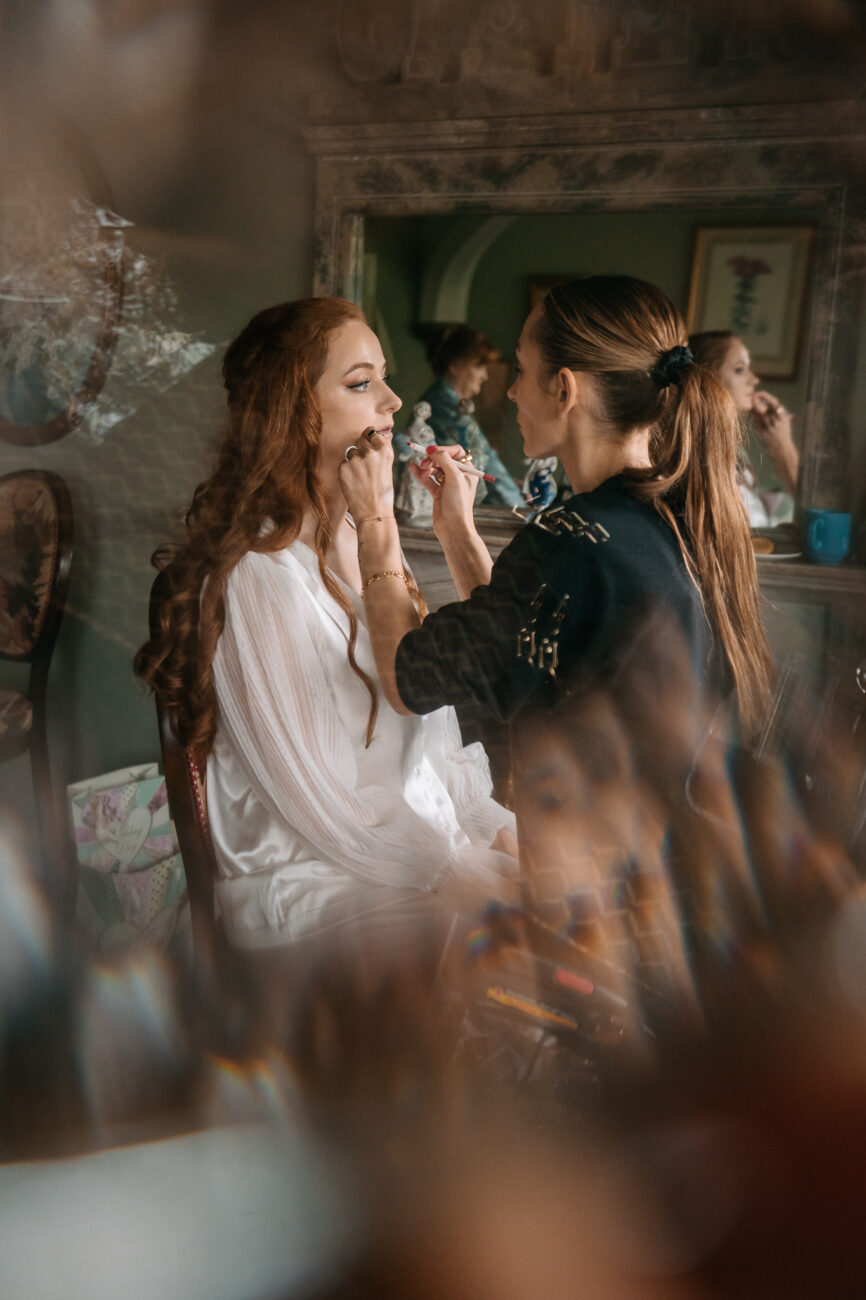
328 809
460 356
727 356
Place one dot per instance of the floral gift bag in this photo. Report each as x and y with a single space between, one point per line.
131 878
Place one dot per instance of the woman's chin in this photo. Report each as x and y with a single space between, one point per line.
533 452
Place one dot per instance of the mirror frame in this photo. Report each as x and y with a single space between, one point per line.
787 157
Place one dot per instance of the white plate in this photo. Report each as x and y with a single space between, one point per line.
779 555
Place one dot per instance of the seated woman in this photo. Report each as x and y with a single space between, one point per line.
327 807
728 357
460 356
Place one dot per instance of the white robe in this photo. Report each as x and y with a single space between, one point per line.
312 829
766 507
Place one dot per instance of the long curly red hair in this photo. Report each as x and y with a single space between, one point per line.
264 482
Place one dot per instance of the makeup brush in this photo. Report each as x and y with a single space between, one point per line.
461 464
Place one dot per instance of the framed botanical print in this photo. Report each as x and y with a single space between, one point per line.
753 280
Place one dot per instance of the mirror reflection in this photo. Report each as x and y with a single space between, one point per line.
426 275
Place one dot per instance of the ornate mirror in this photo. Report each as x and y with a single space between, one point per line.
794 164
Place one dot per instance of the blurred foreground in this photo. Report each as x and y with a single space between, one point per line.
648 1079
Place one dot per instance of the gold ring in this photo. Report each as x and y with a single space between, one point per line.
437 476
347 454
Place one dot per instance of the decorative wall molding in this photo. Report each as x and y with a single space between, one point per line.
832 121
411 58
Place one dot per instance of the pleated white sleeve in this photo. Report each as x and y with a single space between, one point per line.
310 825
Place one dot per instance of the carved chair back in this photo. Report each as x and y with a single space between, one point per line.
36 536
186 785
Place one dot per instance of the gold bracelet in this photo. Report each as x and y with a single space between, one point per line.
384 573
371 519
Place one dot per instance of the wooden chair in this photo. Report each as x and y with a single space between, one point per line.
186 786
36 533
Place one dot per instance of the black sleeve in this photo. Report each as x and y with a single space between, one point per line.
468 650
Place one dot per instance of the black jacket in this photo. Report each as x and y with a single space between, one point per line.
565 606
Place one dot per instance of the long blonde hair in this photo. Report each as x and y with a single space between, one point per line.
620 330
265 475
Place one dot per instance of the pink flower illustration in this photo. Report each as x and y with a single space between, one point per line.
746 270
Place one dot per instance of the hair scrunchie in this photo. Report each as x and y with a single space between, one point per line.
670 365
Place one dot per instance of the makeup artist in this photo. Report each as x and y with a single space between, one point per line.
649 440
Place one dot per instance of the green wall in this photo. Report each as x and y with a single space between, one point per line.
394 263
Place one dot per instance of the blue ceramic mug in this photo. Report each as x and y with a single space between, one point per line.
827 535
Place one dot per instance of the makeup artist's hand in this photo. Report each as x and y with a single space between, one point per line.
453 492
365 476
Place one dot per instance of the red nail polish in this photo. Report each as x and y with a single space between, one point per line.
432 449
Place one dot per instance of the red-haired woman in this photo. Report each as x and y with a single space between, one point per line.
725 353
327 807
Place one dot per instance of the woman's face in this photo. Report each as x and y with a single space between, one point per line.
736 374
532 392
353 392
468 377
